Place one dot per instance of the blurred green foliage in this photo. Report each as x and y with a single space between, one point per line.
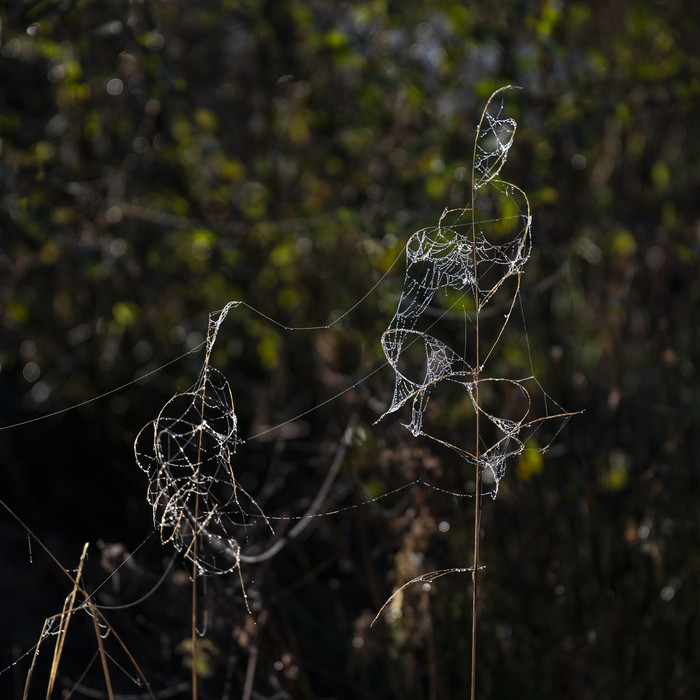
158 159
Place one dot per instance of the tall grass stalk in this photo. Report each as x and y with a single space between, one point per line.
477 376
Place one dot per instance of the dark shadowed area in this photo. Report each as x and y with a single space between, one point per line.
160 159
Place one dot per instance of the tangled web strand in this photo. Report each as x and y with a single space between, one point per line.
187 454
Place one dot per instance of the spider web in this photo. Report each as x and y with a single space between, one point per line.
187 454
466 264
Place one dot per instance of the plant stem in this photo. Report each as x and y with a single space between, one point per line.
475 566
194 624
195 531
477 428
477 477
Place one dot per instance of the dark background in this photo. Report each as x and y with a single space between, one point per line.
158 159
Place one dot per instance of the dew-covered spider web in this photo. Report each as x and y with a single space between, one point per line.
187 451
468 266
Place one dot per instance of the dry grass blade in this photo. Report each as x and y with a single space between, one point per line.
64 621
423 578
103 656
64 618
95 611
30 673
